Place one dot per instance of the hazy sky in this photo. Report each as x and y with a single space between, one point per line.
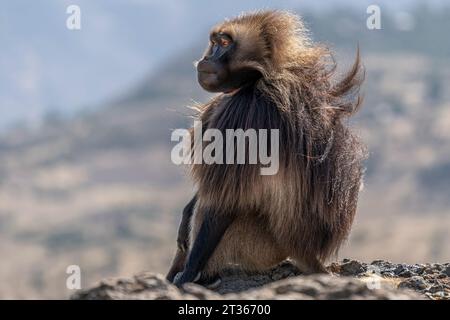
43 65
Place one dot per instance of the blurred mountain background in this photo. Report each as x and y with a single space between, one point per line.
85 170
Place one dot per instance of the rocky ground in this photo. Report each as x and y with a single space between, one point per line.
431 280
348 279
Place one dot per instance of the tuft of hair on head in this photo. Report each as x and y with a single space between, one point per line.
345 93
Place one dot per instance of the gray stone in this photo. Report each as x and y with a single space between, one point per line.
282 282
414 283
446 271
352 268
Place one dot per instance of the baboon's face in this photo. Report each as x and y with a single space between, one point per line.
218 70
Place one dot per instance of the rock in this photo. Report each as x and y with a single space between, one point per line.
234 280
381 263
446 271
142 286
318 287
416 283
429 271
322 287
283 282
417 269
352 268
436 288
405 274
400 269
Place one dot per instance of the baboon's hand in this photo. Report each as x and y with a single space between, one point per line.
185 277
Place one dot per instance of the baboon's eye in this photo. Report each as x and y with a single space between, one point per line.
224 42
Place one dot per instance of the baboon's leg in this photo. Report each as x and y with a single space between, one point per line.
309 265
212 228
247 245
315 266
182 240
305 260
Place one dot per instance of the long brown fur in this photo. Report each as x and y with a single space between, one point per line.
306 210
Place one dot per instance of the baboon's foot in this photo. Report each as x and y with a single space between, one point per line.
210 282
311 267
315 271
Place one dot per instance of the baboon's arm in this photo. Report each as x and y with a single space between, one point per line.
211 231
177 265
183 229
182 241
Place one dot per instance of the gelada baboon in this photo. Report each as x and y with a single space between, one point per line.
270 75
